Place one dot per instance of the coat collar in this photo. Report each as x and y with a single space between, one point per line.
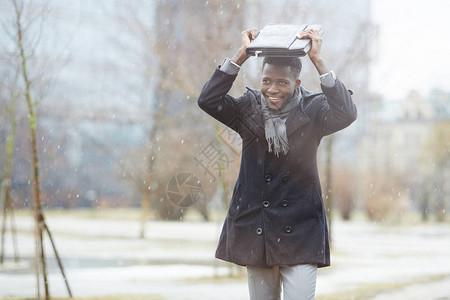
296 118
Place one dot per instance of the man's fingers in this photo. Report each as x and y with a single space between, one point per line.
303 35
310 33
250 33
255 33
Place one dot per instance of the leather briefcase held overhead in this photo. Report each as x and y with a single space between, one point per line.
281 40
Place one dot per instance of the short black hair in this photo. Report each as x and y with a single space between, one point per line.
294 62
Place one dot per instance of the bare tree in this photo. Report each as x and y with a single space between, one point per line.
40 223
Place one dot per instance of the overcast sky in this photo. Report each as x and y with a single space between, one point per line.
413 48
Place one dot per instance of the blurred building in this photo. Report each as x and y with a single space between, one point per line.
407 141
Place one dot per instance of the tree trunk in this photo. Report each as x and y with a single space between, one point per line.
40 225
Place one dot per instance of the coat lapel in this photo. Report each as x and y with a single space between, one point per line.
254 115
296 118
256 122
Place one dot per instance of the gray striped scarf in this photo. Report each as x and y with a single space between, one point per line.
275 127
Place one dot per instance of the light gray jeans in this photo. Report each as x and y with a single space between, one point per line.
299 282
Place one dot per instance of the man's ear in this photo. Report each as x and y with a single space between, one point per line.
297 83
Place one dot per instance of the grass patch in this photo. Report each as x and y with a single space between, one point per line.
368 291
111 297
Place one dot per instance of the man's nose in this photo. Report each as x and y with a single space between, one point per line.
273 89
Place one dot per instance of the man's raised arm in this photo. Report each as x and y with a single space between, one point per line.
338 111
247 36
214 98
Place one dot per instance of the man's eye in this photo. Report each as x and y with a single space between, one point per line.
282 83
266 81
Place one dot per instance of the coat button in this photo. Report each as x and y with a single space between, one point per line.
288 229
268 177
266 203
259 231
285 178
284 203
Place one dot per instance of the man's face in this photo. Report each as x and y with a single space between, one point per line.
278 85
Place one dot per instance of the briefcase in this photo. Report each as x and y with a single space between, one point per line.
281 40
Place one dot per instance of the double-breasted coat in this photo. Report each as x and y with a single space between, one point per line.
276 215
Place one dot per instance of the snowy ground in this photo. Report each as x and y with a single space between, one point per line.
102 256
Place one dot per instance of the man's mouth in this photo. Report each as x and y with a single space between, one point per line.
274 99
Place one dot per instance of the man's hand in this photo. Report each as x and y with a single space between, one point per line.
247 36
314 52
316 42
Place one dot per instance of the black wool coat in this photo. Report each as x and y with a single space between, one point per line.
276 215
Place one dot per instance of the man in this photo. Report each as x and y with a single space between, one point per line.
276 223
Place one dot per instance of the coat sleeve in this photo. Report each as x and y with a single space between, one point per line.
337 110
215 101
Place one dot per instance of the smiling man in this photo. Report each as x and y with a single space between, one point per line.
276 223
279 80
